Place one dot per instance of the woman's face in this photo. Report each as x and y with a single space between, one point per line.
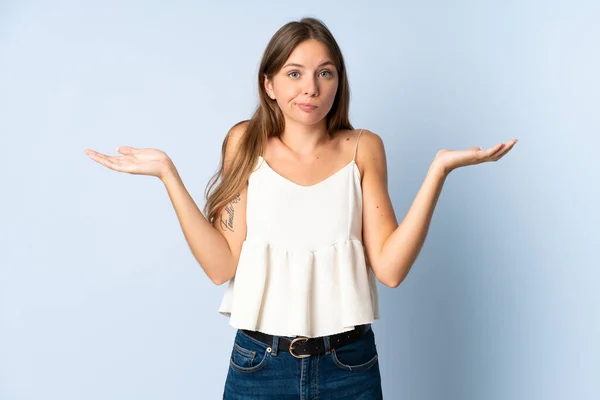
305 86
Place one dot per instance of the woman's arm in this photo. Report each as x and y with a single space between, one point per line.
391 248
216 246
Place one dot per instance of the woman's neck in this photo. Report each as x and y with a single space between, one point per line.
305 140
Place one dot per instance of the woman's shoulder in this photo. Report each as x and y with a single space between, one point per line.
236 132
348 134
368 147
232 142
369 143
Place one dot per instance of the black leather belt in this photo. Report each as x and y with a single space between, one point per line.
301 347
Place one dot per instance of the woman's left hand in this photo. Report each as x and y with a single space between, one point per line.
448 160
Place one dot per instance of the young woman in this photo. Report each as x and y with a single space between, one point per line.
301 226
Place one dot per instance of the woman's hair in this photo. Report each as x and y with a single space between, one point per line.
268 119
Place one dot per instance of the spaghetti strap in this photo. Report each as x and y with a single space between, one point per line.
356 149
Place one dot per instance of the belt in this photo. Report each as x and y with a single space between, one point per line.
302 347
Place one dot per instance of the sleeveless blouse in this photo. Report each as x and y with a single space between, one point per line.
302 269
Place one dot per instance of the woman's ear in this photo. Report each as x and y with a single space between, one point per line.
269 88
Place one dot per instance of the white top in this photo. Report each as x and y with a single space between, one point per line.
302 269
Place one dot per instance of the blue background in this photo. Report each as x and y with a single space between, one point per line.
100 297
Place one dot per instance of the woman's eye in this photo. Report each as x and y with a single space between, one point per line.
296 74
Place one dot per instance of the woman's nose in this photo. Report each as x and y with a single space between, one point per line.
311 88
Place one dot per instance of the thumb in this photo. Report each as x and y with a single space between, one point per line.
476 148
126 150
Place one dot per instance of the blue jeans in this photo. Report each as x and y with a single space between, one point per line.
258 371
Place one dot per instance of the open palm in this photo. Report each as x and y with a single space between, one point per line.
451 159
151 162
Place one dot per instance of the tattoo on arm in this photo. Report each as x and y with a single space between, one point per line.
227 224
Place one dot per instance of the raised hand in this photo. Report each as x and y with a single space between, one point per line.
448 160
151 162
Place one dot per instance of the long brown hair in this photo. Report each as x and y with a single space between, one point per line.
268 119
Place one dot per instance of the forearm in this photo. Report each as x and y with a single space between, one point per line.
402 247
208 246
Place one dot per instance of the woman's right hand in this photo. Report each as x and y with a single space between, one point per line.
151 162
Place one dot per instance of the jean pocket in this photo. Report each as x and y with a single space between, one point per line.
358 355
247 355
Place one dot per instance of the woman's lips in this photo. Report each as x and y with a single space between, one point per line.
306 107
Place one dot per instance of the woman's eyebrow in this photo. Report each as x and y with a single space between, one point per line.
302 66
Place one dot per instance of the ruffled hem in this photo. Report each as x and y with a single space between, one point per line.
305 293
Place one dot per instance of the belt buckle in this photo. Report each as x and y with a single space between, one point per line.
292 344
